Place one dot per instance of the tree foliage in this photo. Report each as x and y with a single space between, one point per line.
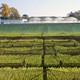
5 10
14 14
75 14
25 16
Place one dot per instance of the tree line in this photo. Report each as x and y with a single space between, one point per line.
10 13
75 14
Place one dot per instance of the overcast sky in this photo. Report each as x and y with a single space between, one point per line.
44 7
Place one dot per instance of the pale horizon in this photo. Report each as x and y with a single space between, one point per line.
59 8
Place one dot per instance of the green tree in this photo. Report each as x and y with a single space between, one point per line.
75 14
5 10
14 14
25 16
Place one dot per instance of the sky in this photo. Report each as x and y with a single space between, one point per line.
59 8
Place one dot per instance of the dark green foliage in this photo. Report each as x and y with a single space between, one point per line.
75 14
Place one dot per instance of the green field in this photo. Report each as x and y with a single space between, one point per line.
36 74
21 51
38 28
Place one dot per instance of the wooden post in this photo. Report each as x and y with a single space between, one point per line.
44 73
55 51
43 65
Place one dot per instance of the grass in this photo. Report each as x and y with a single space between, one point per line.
62 47
36 73
49 29
35 60
15 34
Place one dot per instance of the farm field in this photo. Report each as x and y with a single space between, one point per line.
49 29
36 74
28 51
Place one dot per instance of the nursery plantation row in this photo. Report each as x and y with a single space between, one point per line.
22 59
58 52
37 74
35 46
41 51
35 60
